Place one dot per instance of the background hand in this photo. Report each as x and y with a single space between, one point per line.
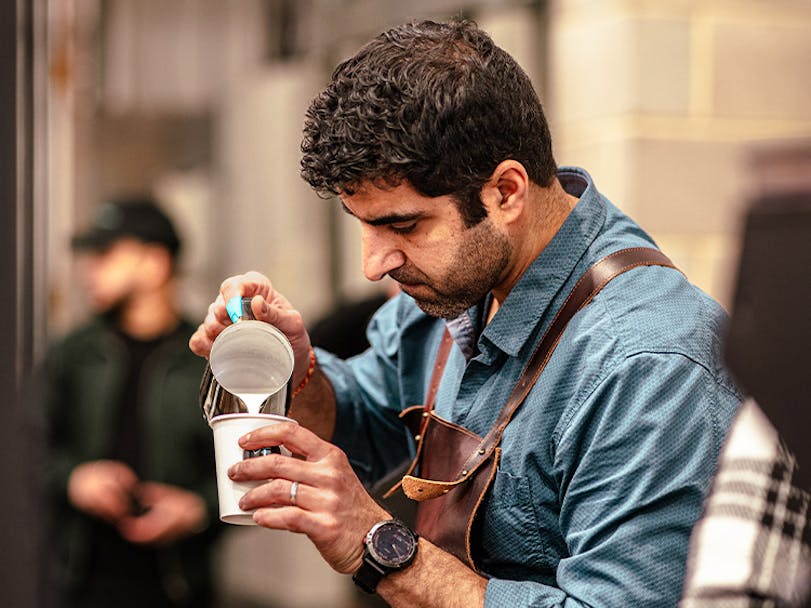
170 513
102 488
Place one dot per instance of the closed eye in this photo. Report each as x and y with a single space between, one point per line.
403 229
398 223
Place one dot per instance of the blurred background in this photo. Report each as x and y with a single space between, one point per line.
682 111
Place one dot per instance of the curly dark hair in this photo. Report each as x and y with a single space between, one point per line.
436 104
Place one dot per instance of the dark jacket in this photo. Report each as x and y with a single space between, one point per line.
84 374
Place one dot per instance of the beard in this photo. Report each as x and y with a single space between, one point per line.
475 269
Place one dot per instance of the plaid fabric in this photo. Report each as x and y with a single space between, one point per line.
752 547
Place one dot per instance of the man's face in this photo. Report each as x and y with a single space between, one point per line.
422 243
111 276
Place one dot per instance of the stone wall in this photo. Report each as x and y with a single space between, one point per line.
663 102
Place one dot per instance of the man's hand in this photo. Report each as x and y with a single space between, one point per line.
103 489
331 506
267 305
171 513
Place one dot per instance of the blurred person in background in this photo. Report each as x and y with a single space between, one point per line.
583 490
132 459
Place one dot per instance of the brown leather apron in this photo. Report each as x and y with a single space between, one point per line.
456 466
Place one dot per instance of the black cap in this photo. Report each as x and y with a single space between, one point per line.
140 218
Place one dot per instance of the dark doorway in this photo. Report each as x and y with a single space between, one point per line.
20 528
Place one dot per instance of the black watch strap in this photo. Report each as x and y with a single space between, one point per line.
369 574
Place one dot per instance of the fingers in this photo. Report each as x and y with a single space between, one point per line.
294 437
217 314
278 312
102 488
293 519
314 513
144 529
217 319
319 496
327 529
284 468
319 473
249 284
173 513
212 326
109 505
281 493
266 304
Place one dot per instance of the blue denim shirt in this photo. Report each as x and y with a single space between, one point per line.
605 466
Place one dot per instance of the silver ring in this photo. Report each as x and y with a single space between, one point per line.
293 493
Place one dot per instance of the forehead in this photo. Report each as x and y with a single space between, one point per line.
115 248
375 205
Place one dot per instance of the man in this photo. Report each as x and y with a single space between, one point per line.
435 141
132 458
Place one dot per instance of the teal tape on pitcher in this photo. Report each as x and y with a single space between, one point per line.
234 308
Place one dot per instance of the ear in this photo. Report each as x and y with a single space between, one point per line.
505 193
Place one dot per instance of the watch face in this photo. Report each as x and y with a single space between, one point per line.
392 544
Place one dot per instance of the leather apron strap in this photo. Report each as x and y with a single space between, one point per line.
449 455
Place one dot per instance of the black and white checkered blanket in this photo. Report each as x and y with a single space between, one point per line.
752 546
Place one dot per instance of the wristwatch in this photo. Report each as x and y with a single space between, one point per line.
389 546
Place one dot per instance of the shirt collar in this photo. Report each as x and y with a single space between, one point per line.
518 318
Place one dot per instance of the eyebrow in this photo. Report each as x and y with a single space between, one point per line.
392 218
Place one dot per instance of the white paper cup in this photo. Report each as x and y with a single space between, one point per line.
228 428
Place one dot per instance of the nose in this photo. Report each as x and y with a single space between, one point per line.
380 256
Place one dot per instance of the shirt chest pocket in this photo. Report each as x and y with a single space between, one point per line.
511 537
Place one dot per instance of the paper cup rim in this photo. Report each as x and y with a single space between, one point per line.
248 416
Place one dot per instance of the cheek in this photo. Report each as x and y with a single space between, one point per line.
434 251
431 261
107 282
99 290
